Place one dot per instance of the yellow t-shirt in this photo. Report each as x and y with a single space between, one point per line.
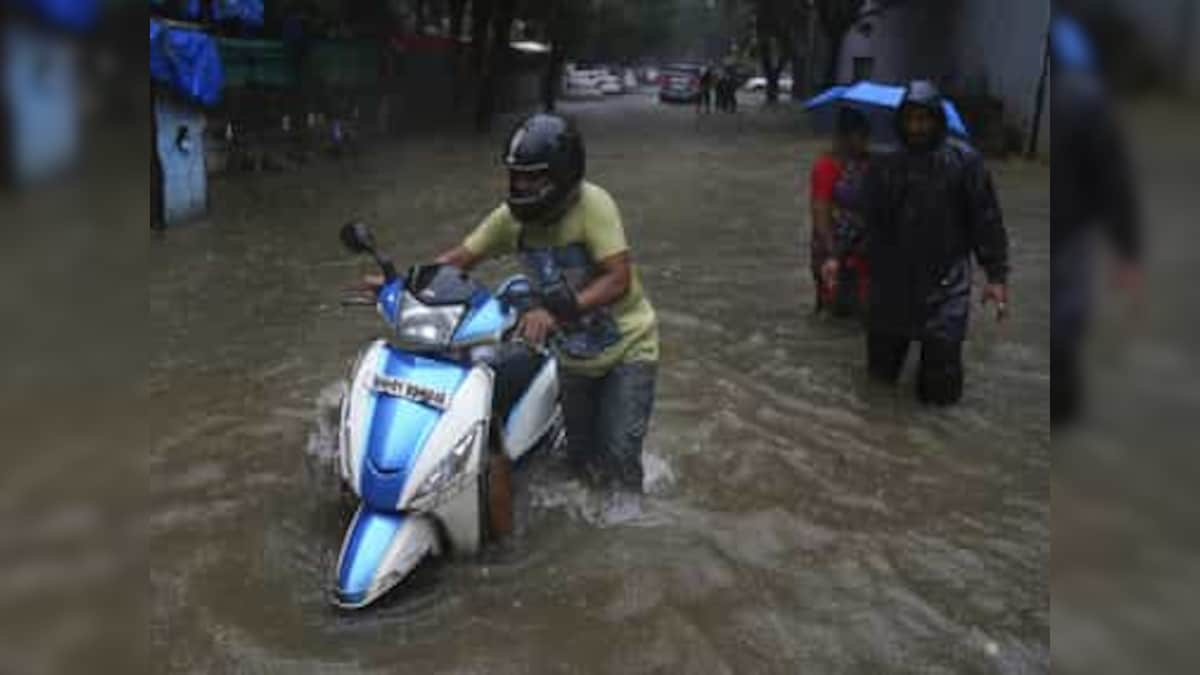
594 222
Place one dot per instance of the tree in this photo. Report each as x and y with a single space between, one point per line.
481 19
502 17
775 26
560 24
617 30
838 17
458 10
421 16
563 23
614 30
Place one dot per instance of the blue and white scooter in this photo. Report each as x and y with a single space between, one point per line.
424 408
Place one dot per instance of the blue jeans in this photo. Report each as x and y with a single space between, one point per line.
607 418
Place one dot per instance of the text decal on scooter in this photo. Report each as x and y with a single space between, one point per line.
394 386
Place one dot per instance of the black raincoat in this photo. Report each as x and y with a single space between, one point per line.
928 210
1093 188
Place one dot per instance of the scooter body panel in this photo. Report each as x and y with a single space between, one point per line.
486 323
380 550
385 434
535 414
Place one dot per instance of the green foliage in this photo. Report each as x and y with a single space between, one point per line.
628 30
620 30
839 16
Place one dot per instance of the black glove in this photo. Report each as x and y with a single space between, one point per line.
561 301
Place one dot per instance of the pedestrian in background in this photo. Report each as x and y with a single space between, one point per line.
707 82
1094 194
729 91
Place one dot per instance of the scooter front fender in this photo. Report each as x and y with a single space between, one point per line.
379 551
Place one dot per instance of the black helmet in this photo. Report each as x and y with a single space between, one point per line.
923 93
548 145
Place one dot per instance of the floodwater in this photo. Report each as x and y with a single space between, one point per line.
799 518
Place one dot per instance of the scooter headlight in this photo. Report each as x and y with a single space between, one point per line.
448 474
420 324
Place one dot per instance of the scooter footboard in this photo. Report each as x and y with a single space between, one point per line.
380 549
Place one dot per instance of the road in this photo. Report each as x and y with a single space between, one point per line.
800 518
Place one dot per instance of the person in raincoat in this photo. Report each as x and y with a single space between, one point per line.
1094 190
929 206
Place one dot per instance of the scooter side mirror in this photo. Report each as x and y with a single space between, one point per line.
357 237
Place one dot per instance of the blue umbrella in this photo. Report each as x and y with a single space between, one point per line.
828 96
879 101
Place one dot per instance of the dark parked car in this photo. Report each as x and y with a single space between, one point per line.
680 83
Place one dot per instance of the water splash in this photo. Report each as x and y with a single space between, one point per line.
323 439
320 452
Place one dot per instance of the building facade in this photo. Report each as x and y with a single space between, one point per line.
972 48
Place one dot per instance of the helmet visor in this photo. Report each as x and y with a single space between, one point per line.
529 186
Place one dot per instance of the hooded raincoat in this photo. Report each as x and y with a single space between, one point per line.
927 210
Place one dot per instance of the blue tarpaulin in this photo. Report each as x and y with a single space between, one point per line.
871 97
249 12
1070 44
72 15
187 62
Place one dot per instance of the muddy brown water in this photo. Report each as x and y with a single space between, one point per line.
800 519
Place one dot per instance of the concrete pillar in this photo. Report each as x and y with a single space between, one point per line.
179 142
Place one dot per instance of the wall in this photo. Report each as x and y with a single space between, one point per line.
979 47
423 91
999 50
909 41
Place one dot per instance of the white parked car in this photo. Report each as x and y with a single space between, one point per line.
611 84
582 84
760 84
